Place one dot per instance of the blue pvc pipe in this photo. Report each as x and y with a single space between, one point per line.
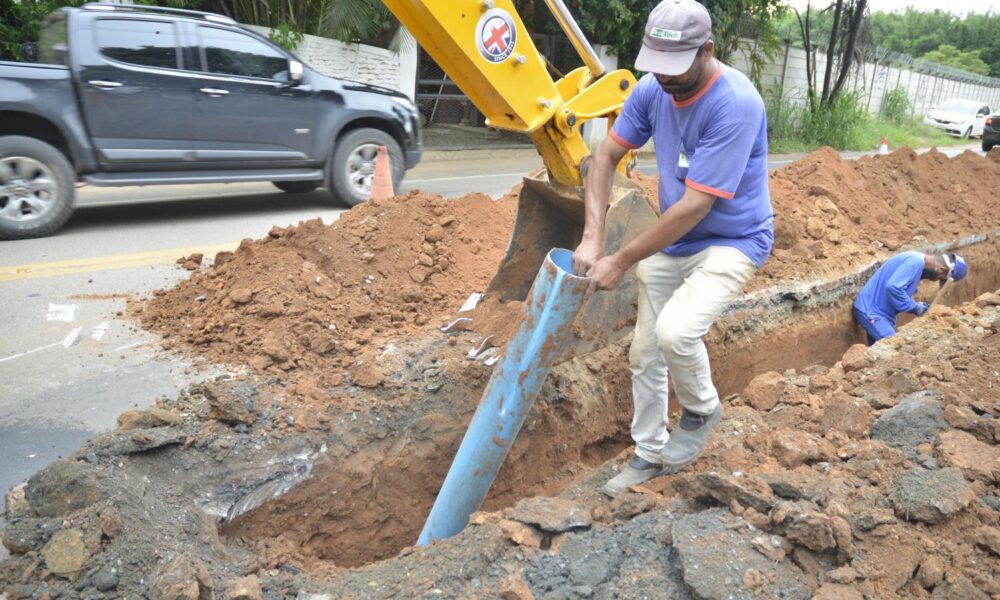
552 304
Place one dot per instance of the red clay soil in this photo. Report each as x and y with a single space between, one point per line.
832 215
317 298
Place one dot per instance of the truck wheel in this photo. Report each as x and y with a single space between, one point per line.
36 188
296 187
987 147
352 167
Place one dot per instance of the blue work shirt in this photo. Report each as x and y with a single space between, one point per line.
714 142
890 290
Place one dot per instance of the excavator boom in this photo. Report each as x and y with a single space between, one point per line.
485 49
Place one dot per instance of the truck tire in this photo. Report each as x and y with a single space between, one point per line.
987 147
296 187
36 188
353 164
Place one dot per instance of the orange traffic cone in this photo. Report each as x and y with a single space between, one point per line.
382 180
883 148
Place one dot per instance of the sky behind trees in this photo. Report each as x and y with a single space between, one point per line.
958 7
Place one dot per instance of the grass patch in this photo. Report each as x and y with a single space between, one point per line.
845 125
914 135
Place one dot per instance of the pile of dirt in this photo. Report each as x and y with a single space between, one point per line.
321 299
315 297
832 215
875 477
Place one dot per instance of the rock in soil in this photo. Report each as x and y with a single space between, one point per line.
916 420
65 553
62 487
552 514
714 553
931 496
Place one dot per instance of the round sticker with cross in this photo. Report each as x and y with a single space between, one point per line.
496 35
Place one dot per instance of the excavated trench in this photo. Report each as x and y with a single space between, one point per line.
370 502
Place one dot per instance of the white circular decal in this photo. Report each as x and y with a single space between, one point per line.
496 35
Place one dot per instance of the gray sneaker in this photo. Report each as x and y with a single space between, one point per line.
638 470
688 440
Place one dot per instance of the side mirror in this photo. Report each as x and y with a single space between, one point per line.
295 70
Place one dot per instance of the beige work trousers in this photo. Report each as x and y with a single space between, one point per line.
679 299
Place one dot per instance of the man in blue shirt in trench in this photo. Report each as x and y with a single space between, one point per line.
890 290
715 229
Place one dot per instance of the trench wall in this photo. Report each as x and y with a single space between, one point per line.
372 501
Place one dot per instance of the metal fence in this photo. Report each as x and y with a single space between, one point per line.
925 83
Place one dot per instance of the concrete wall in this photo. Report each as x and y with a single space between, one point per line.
595 130
925 87
358 62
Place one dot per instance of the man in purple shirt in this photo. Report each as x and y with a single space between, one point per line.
715 229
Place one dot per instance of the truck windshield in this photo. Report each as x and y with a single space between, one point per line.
52 42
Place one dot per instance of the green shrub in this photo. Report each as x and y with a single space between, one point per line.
896 106
784 118
840 124
286 36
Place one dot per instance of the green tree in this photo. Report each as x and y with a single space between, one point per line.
949 55
366 21
847 25
20 21
917 33
748 25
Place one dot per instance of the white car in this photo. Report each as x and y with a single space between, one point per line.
964 118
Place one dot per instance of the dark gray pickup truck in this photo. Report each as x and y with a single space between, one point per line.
138 95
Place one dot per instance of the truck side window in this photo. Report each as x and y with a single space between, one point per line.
145 43
231 53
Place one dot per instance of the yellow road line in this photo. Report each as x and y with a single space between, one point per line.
106 263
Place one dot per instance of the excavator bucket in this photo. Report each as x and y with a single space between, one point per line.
486 50
551 216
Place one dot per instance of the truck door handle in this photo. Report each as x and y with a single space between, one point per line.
214 92
104 85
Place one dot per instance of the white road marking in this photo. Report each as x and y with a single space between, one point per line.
99 331
65 343
71 337
127 346
19 355
61 312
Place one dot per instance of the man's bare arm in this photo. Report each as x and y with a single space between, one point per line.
597 195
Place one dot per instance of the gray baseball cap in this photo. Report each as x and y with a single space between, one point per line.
674 32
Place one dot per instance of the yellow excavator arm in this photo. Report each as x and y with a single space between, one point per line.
483 46
485 49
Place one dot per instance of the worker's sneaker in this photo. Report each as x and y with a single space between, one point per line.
688 440
638 470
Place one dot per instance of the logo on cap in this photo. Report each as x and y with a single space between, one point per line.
496 35
665 34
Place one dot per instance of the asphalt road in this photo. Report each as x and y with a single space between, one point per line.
69 365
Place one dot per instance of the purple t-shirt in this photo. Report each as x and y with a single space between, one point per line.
715 142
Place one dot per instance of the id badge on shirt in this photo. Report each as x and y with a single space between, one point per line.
682 166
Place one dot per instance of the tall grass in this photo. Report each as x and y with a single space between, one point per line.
896 106
844 125
840 124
